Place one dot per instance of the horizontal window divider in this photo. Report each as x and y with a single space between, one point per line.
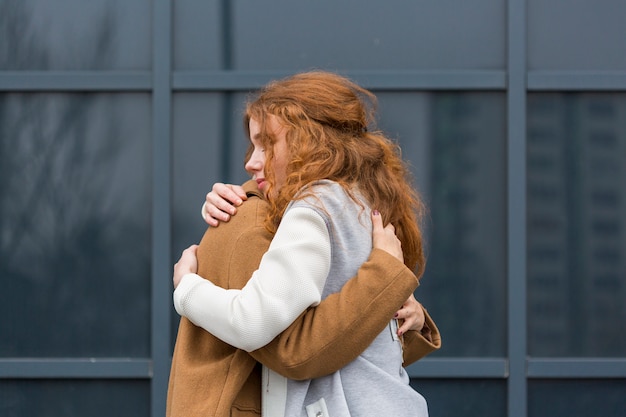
432 80
577 368
75 81
223 80
373 80
478 368
250 80
75 368
140 368
577 80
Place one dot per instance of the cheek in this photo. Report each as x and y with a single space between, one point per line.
280 167
280 161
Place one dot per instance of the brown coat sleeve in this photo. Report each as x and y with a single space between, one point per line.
326 338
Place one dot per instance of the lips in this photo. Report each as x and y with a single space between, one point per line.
260 183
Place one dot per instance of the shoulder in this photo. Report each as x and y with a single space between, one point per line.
245 226
328 197
320 192
251 213
232 251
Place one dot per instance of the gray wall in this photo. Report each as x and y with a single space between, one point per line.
116 116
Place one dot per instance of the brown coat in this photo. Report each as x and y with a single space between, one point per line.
211 378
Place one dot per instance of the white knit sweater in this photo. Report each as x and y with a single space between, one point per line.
290 279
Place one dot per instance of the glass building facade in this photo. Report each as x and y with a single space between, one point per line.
117 116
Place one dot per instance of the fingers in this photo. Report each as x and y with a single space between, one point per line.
405 327
204 212
377 222
186 264
412 316
216 210
384 237
234 194
239 191
221 202
187 257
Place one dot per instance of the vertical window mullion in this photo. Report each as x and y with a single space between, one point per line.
516 211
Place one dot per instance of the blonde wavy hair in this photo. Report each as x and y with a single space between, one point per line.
328 121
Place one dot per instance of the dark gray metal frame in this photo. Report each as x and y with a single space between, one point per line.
516 82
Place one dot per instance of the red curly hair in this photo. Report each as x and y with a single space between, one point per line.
328 120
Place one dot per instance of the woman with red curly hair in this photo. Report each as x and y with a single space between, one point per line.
324 170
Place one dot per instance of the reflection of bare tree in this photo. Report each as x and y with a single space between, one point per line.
65 246
15 32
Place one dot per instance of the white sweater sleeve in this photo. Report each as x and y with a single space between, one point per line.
290 278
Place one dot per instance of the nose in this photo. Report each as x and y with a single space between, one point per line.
255 163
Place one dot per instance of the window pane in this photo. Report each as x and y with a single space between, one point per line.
455 143
198 34
75 225
367 35
454 398
75 34
198 150
208 146
556 41
75 398
577 224
580 398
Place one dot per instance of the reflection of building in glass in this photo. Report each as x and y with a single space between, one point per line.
547 237
467 208
576 217
604 152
